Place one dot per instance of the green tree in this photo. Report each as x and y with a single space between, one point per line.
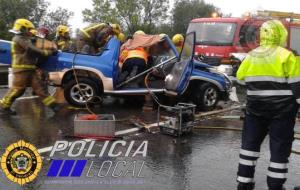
155 13
165 28
186 10
39 11
12 10
101 12
131 14
53 19
34 10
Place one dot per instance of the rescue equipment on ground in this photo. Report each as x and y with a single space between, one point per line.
179 120
92 125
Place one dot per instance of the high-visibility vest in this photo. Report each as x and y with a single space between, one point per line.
138 53
122 57
276 72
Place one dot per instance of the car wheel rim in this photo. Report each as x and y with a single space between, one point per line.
81 93
210 97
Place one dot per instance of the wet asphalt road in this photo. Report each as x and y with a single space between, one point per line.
205 160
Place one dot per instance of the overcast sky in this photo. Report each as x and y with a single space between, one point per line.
236 7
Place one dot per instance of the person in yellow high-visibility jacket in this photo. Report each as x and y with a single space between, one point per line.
272 77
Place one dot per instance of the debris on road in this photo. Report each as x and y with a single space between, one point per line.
150 128
178 120
198 116
230 117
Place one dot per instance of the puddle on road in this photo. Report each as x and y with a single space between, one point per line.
204 160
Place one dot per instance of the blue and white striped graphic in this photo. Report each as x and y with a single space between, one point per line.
66 168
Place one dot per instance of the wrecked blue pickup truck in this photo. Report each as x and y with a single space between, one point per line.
98 75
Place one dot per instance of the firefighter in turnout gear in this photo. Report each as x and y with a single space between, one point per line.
62 39
24 58
272 77
91 39
178 41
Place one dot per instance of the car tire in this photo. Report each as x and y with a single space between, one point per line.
88 86
206 96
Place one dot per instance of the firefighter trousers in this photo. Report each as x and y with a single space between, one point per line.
281 132
22 80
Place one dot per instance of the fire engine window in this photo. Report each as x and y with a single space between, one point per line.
294 40
249 34
213 33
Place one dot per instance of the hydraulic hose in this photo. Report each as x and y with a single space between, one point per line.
91 98
87 101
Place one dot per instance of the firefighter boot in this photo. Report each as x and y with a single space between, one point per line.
246 186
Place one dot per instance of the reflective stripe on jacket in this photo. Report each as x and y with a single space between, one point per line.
93 31
272 81
271 74
95 35
25 54
64 45
138 53
277 74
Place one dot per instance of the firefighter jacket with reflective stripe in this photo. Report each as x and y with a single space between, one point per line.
138 53
63 45
25 54
96 35
272 80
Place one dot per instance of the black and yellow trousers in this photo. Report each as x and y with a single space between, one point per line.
23 79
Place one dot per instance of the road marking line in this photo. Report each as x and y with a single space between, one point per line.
123 132
127 131
26 98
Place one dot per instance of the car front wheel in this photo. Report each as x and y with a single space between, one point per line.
83 92
206 96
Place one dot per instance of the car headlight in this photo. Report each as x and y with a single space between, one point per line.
226 69
228 83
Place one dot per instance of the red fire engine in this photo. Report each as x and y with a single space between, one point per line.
218 38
